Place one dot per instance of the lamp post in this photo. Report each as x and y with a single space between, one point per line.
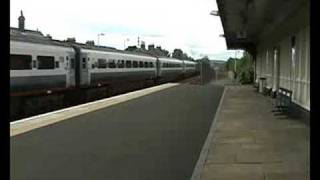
235 64
100 34
235 61
124 43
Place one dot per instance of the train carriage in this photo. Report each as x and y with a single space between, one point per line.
106 67
38 63
39 66
170 69
189 68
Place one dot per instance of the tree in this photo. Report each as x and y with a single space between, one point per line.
177 53
244 68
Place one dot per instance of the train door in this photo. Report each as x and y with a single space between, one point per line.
70 67
84 69
158 65
183 67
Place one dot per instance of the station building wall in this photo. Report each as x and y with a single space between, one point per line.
276 51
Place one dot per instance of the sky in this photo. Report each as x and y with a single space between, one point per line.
183 24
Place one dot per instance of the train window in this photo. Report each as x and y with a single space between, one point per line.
151 64
102 63
72 63
84 65
45 62
120 63
19 62
141 64
56 64
165 65
146 64
92 66
112 64
83 60
128 64
134 64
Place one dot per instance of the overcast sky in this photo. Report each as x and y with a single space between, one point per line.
184 24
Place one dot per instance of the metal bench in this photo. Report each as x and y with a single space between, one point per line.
283 100
267 91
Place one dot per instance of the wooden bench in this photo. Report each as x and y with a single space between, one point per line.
283 100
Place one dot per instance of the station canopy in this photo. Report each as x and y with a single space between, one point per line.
246 21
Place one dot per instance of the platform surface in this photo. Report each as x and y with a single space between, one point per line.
248 141
157 136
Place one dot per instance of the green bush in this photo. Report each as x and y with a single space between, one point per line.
246 77
244 71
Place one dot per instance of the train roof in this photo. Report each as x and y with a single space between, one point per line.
109 49
33 37
37 37
190 62
169 59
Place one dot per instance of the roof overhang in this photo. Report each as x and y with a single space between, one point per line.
244 21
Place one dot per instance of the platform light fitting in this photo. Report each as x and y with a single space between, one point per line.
214 13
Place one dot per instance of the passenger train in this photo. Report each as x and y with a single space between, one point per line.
50 65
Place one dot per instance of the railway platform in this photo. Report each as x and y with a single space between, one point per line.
217 131
247 141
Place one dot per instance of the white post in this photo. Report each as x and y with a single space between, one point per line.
98 39
235 65
124 43
201 72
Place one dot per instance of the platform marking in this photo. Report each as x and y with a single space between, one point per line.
28 124
196 175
